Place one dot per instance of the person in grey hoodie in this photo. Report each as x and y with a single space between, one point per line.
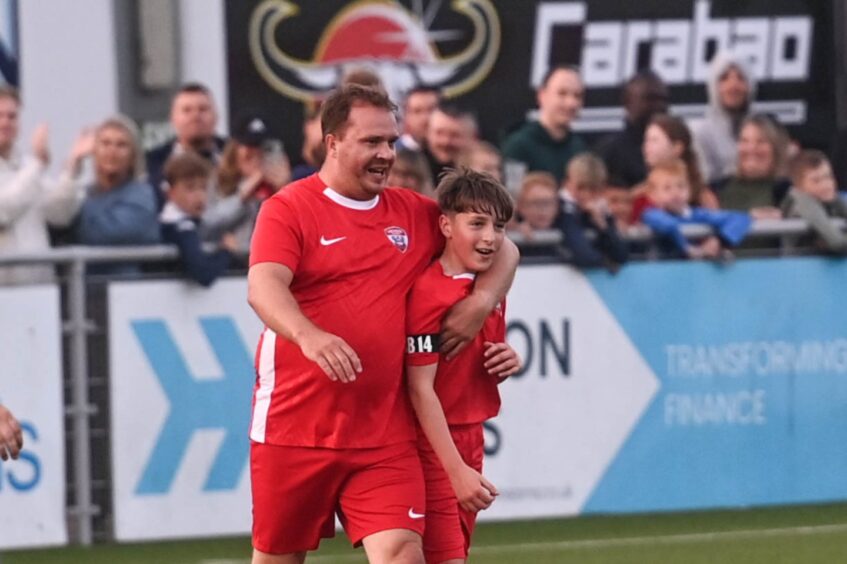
731 89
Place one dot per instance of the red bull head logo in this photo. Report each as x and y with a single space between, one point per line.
381 35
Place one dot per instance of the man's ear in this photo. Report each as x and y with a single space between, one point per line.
331 142
445 225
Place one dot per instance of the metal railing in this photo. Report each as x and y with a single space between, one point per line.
77 327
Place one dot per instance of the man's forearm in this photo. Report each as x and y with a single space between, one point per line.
493 284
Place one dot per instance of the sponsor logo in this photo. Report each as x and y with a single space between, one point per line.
398 238
327 242
386 37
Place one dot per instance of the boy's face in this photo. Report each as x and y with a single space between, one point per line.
820 183
538 205
189 195
669 191
473 237
584 192
620 203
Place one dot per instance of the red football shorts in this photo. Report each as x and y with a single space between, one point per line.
448 527
298 490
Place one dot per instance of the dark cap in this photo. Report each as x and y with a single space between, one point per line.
251 131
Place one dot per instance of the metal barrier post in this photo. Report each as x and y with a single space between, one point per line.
80 409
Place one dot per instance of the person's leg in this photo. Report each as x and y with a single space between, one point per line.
394 546
260 557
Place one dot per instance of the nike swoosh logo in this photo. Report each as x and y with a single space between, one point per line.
327 242
413 515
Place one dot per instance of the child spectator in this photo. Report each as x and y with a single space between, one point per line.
410 170
814 198
187 177
537 204
483 157
669 193
453 399
584 209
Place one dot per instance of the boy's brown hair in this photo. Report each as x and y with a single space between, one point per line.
806 160
186 166
590 169
670 167
463 190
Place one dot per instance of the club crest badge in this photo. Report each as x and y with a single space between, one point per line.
398 238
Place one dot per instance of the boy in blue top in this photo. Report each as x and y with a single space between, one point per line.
187 177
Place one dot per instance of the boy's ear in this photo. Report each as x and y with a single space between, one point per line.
445 225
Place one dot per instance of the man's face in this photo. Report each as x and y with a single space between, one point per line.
193 118
820 183
560 100
733 90
364 150
474 238
419 107
8 123
189 195
644 99
446 137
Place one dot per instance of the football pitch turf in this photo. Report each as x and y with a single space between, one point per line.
789 535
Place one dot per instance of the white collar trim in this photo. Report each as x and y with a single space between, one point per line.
350 203
171 213
464 276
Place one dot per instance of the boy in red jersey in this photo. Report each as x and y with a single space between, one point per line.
452 398
332 260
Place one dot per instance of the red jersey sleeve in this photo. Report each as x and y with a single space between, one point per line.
278 235
423 324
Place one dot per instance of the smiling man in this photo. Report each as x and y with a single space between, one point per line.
332 260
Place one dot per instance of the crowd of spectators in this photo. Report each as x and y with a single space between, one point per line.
197 190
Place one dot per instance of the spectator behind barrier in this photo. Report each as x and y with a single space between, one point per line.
644 96
536 209
667 138
418 106
482 156
252 168
312 151
447 137
760 184
549 143
193 118
583 209
118 208
28 201
669 192
619 199
815 199
731 89
410 170
186 177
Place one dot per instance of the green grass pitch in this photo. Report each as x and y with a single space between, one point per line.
789 535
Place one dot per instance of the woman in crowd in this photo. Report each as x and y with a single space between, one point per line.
253 167
759 183
667 138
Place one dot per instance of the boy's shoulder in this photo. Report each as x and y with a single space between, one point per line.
436 289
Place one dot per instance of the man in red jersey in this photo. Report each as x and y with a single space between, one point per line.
332 260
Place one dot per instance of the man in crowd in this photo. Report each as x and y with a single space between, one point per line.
193 118
447 136
11 436
332 260
644 95
418 106
549 143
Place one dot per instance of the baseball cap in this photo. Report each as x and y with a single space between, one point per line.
251 131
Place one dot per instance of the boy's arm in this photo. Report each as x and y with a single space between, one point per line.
465 319
472 490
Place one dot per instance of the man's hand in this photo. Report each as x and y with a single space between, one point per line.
462 323
472 489
11 436
335 357
501 360
41 144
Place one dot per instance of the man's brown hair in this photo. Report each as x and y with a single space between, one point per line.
806 160
335 111
10 92
186 166
463 190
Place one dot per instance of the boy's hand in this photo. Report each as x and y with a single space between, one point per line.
597 210
711 247
501 360
11 436
462 323
472 489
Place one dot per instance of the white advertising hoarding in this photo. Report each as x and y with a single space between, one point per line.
32 488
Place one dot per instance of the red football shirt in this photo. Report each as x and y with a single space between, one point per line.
353 263
468 393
